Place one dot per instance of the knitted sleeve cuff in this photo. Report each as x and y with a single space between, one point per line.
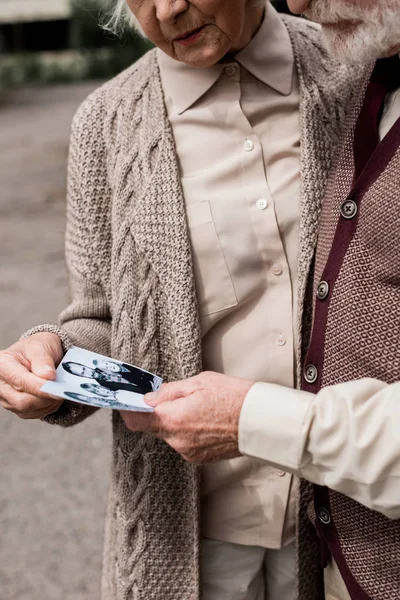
64 337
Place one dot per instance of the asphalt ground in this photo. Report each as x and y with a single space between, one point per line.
53 482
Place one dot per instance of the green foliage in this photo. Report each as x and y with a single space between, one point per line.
86 32
92 54
86 35
67 66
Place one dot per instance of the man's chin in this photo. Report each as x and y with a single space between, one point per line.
348 47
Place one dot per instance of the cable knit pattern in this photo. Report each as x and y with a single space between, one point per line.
133 297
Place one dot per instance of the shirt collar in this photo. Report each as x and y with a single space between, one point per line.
185 84
268 57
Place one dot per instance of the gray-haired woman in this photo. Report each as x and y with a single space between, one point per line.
186 210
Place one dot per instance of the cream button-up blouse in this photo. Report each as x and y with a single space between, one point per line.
237 134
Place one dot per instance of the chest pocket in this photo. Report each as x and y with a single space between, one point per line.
214 287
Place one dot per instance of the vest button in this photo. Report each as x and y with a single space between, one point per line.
322 290
311 374
324 516
349 209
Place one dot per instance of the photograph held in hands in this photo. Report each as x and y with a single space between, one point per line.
89 378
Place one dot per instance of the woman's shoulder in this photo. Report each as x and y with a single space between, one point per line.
313 60
306 38
106 99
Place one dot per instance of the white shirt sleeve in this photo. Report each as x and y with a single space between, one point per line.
346 437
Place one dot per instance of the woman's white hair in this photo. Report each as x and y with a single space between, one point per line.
120 17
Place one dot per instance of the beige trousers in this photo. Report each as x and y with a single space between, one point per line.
237 572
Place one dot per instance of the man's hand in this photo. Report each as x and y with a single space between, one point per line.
24 368
198 417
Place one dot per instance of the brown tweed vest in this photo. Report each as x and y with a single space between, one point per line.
356 333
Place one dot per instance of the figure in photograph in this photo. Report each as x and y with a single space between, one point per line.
130 373
84 398
195 184
100 400
99 390
109 395
110 380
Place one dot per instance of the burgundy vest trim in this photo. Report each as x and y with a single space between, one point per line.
344 234
330 544
384 79
378 162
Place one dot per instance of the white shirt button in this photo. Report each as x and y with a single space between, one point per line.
248 146
281 341
262 204
281 473
277 270
230 70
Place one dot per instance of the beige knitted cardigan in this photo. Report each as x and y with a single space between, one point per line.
130 265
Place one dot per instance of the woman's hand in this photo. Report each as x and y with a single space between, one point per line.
24 368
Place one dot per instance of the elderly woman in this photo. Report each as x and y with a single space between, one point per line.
186 210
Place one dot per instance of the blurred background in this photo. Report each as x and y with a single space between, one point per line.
53 483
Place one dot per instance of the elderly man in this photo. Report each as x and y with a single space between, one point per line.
193 175
340 432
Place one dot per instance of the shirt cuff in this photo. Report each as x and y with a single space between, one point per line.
272 425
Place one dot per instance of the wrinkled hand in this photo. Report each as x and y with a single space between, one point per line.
24 368
198 417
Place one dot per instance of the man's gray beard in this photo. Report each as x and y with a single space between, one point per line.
377 36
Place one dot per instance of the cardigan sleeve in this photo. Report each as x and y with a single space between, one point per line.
86 322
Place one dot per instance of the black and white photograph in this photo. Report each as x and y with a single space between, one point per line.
89 378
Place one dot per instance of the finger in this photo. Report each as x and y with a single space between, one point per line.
42 361
169 392
26 405
142 422
20 378
9 397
